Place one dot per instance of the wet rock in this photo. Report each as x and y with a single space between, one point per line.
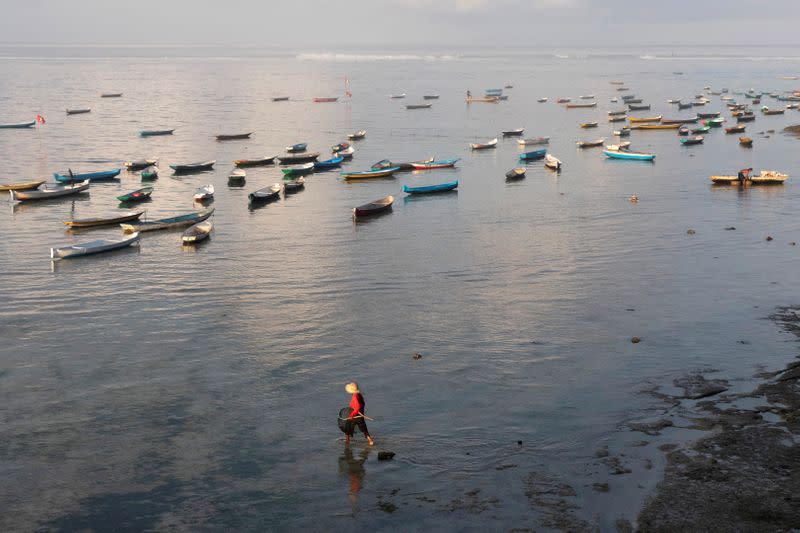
505 466
416 356
651 428
730 228
387 507
648 464
636 340
471 503
623 526
385 456
601 487
640 443
770 131
615 466
519 443
602 452
696 386
690 231
769 238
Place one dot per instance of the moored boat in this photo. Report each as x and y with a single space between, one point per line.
634 120
299 170
683 130
233 136
328 164
532 156
687 105
533 141
293 186
486 99
691 120
193 167
267 160
419 106
580 105
136 196
746 141
149 173
587 125
49 191
294 159
93 247
180 221
18 125
280 98
431 189
21 185
618 118
71 177
711 114
156 133
373 208
590 144
197 233
628 155
765 177
325 99
484 146
273 192
140 164
340 147
111 95
513 133
638 107
735 129
79 111
237 178
429 165
551 162
397 96
690 141
655 126
347 153
103 221
430 97
623 132
357 136
515 174
542 100
377 173
206 192
296 148
702 129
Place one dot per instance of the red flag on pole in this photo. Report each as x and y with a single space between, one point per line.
40 119
347 88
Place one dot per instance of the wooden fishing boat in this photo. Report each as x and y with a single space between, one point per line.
18 125
627 155
180 221
655 127
155 133
617 82
111 95
299 170
324 99
542 100
699 103
137 195
397 96
590 144
340 147
296 148
419 106
714 122
293 186
618 112
206 192
532 156
711 114
692 120
746 118
484 146
429 165
682 105
80 111
618 118
631 101
581 105
298 158
627 97
623 132
552 162
357 136
513 133
430 97
635 120
673 101
334 162
48 191
237 178
373 208
622 89
637 107
267 194
377 173
515 174
92 248
683 130
280 98
697 139
703 129
233 136
614 100
587 125
766 177
767 111
485 100
533 141
140 164
21 186
734 129
431 189
197 233
150 173
71 177
587 97
622 146
193 167
746 141
104 221
267 160
347 153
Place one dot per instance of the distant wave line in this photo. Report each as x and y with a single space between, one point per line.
373 57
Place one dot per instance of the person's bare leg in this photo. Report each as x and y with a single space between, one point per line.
347 440
369 439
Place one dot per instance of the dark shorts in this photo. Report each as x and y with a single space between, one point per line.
353 423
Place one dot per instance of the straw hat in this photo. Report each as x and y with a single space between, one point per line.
352 388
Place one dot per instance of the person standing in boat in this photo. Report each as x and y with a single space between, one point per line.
357 417
744 174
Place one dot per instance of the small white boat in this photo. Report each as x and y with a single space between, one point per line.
93 247
552 162
357 136
49 190
533 141
397 96
347 153
484 146
204 193
587 97
542 100
237 175
615 100
198 232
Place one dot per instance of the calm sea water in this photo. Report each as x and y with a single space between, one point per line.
198 388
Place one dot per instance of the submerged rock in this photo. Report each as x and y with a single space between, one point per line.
651 428
385 456
696 386
690 231
636 340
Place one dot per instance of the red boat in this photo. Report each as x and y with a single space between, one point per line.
321 100
373 208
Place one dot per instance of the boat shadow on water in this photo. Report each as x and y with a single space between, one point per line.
133 205
19 207
195 247
430 197
364 220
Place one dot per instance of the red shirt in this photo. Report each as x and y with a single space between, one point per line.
357 403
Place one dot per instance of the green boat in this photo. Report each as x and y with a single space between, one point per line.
150 173
703 129
299 170
137 195
715 123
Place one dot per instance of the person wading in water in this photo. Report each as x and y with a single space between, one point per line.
357 416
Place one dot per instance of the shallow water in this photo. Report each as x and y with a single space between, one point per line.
165 386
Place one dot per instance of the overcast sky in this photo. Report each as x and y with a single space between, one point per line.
327 24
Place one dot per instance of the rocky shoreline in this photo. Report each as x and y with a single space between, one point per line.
745 475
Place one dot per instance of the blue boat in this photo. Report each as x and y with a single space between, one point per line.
429 189
531 156
295 148
91 176
328 164
635 156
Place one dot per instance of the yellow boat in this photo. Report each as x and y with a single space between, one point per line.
22 186
766 177
656 127
645 119
487 99
380 173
